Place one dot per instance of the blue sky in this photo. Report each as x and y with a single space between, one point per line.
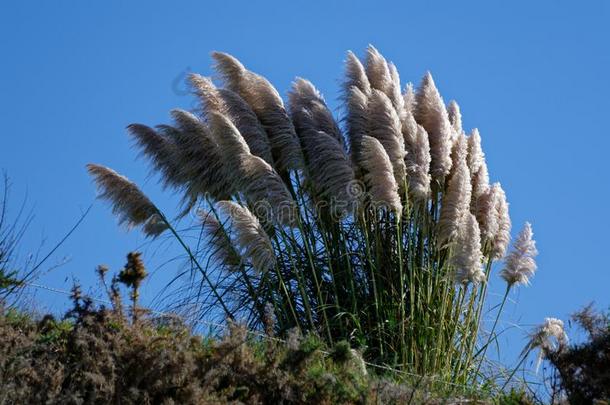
532 76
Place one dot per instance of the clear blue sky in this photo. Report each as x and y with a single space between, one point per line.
533 76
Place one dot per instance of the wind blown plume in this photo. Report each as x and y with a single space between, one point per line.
455 116
264 188
502 237
161 151
308 110
384 125
467 256
250 236
520 264
417 159
268 106
455 203
231 145
379 176
229 103
199 156
548 337
395 94
222 251
355 75
128 202
356 122
378 71
431 114
328 167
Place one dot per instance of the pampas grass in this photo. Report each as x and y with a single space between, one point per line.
381 227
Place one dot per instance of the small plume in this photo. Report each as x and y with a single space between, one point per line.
309 110
222 251
431 114
230 104
128 202
355 75
417 159
383 124
520 264
250 237
408 97
328 167
502 237
379 175
268 106
548 337
455 116
455 204
467 257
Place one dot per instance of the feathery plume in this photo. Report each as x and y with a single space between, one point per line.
408 97
480 185
455 116
487 215
520 264
455 203
199 156
395 94
308 110
229 103
467 257
459 152
266 191
328 167
355 75
417 159
476 157
379 175
129 203
378 71
384 125
250 237
431 114
502 237
356 122
161 151
231 145
268 106
548 337
222 251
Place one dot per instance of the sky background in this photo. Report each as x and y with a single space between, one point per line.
532 76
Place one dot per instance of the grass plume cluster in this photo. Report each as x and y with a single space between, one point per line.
380 228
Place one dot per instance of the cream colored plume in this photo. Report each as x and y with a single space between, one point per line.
379 176
266 191
231 144
431 114
408 97
384 125
502 237
467 256
229 103
476 157
487 214
328 168
309 111
395 94
222 251
520 263
268 106
459 153
455 203
378 71
355 76
417 159
128 202
455 116
250 237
